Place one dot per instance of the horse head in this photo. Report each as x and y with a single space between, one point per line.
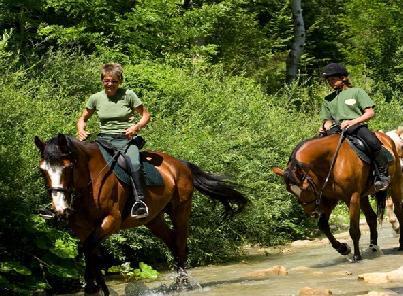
57 166
300 181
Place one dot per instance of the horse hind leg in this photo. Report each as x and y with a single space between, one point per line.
371 218
174 241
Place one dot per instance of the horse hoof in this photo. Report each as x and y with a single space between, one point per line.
373 248
344 249
356 258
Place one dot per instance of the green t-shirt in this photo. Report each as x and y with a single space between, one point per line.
345 105
115 113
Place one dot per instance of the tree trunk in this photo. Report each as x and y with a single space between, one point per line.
297 47
187 4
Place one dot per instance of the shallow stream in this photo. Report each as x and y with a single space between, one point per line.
313 264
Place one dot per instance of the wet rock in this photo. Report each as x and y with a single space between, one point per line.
307 291
395 275
275 270
374 277
383 277
380 293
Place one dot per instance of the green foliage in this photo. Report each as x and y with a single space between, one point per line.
144 272
374 33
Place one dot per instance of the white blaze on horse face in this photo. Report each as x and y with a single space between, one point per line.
55 176
296 190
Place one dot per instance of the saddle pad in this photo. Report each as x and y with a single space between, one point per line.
152 176
365 158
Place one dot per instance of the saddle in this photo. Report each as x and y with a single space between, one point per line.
119 162
359 146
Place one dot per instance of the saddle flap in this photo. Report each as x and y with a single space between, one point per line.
120 167
360 147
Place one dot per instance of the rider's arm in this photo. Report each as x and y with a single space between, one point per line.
82 134
144 119
367 115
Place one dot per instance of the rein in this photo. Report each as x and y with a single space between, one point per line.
341 139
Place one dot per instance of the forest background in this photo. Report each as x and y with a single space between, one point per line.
213 75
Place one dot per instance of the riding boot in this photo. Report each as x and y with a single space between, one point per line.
139 208
383 179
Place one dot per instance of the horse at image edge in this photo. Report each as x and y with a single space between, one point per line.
349 181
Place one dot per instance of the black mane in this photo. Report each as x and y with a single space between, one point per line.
53 151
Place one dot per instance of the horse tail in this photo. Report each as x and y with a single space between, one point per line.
217 188
380 197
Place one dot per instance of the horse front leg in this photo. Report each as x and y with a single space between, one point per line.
94 279
323 225
354 211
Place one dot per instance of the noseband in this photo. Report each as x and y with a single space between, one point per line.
312 186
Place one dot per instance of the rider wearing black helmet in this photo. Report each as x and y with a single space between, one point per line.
352 108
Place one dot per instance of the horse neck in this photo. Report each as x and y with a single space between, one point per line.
83 154
318 153
95 164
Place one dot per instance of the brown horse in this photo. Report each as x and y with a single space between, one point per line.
93 200
349 181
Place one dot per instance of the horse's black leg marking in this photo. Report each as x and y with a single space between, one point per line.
89 275
94 279
98 274
371 218
323 225
355 233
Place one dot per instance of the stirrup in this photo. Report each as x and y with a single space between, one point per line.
137 206
381 184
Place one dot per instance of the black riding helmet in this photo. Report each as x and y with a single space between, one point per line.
334 69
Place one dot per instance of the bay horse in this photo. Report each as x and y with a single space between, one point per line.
92 199
349 180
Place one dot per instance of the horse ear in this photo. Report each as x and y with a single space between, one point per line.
62 142
278 171
39 144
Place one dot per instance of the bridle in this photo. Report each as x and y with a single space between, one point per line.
312 185
69 189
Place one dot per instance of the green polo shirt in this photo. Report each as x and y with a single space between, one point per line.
115 113
345 105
